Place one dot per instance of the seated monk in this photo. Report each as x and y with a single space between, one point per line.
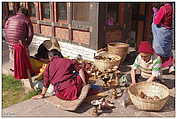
65 75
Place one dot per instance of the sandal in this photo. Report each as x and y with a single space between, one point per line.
107 105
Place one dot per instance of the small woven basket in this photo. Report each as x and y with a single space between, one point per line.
150 89
118 48
103 65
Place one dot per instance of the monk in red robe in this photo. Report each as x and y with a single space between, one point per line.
65 75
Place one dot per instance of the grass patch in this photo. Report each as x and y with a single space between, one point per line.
13 91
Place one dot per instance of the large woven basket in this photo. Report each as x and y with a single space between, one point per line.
150 89
118 48
103 65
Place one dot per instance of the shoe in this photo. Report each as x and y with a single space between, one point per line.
107 105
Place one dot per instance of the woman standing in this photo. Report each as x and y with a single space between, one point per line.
162 33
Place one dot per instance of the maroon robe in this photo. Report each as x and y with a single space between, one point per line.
21 62
63 74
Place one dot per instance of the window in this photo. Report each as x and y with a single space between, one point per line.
32 9
112 13
62 11
81 11
45 7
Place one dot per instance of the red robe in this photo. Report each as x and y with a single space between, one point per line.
21 61
60 73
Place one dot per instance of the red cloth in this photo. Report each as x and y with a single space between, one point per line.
164 16
166 62
145 47
61 70
21 62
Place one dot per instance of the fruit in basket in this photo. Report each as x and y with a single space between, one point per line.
144 96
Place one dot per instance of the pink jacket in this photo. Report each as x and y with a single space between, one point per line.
19 28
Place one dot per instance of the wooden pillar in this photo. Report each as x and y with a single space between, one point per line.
55 11
101 14
125 21
5 12
52 18
148 22
69 20
121 13
37 16
140 31
93 43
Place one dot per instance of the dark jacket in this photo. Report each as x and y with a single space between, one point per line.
19 28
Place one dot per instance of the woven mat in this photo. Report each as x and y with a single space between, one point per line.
69 105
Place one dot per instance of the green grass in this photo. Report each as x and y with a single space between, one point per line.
13 91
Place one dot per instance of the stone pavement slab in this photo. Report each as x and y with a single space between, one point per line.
35 108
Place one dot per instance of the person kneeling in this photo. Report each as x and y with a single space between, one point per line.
65 75
147 63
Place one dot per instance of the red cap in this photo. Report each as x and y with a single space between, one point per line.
145 47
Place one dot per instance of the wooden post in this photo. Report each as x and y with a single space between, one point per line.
38 14
69 20
52 18
140 31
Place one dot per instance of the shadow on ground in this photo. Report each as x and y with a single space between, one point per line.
169 83
170 105
83 108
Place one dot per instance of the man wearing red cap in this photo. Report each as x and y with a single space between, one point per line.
147 62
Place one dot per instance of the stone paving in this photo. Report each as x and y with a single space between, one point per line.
43 108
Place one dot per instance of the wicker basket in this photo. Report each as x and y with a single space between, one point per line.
102 65
118 48
150 89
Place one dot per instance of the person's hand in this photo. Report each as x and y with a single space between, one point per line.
38 97
133 83
154 9
84 83
149 80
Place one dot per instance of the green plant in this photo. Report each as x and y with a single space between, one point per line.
13 91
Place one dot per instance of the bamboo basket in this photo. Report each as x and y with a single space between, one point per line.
150 89
118 48
102 65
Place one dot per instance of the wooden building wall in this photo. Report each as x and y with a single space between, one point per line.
92 33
